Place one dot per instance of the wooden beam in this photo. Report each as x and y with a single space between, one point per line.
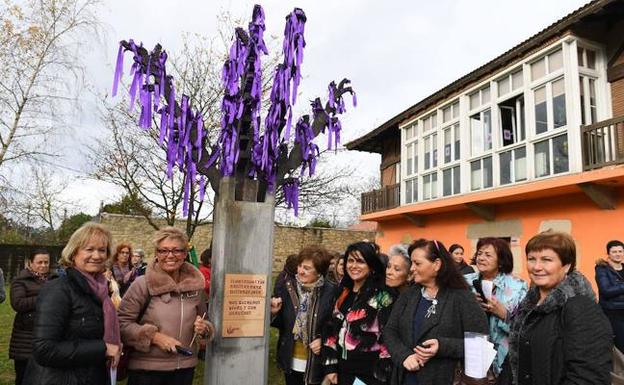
487 212
603 196
418 220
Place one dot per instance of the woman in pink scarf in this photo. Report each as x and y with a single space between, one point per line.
76 335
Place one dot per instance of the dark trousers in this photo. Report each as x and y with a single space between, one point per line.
157 377
504 377
20 369
294 378
616 318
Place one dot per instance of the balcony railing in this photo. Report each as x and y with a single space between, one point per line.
603 143
386 198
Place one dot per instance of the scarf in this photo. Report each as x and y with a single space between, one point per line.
305 293
39 277
99 286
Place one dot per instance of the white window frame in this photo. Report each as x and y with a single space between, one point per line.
551 162
431 191
455 171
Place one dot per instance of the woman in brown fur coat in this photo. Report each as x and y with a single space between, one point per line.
171 294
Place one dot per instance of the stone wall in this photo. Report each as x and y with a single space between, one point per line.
288 240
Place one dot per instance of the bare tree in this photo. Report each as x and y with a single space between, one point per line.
38 202
135 161
39 68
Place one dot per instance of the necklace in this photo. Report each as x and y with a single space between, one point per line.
434 302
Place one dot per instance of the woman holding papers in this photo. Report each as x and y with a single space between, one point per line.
162 314
559 334
425 332
499 294
76 332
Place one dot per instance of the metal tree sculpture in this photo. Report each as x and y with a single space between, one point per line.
259 159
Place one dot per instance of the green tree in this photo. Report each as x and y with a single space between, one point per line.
129 204
71 224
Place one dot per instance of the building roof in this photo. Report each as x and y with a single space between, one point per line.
371 142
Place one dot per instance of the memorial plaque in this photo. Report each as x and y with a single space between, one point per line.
244 305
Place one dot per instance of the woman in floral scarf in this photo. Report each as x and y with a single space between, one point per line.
353 347
301 306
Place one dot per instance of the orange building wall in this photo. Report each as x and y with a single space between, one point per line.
591 227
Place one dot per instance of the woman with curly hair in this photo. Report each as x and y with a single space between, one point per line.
353 347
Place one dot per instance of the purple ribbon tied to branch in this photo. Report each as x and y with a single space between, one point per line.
181 129
291 194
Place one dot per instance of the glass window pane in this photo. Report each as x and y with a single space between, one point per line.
541 118
507 117
516 80
581 63
456 180
582 97
427 187
447 145
591 58
487 129
542 159
475 175
434 119
446 114
520 164
474 100
434 185
485 95
457 139
414 190
409 159
408 191
505 167
560 154
456 110
415 157
487 172
559 108
592 101
447 182
427 153
503 86
555 61
434 152
476 134
538 69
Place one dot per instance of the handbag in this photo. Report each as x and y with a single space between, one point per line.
124 360
461 378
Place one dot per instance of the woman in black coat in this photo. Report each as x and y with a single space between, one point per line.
301 307
559 334
610 280
76 333
425 332
24 290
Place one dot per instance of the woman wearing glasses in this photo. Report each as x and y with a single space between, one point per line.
425 332
161 313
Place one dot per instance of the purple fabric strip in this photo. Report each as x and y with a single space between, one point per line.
118 69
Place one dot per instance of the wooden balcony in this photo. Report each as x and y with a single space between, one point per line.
603 143
386 198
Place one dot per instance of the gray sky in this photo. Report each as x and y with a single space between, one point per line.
395 53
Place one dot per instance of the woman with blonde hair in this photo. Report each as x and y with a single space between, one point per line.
162 314
76 331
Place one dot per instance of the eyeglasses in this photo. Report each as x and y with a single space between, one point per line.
165 252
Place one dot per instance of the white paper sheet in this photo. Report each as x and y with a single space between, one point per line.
478 354
358 382
488 287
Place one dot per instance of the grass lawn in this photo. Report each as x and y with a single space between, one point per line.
7 375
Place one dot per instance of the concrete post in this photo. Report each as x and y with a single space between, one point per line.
242 244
